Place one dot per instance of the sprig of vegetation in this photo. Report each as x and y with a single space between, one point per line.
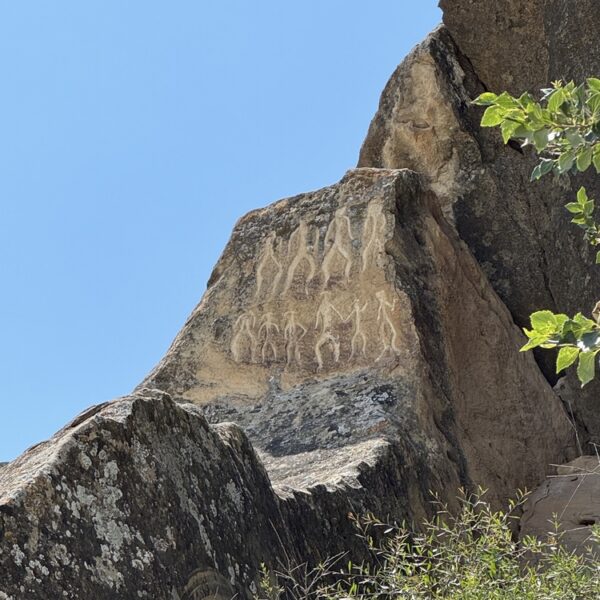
564 130
470 556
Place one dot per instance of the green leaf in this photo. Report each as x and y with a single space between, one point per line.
485 99
566 357
594 103
593 84
534 342
582 196
493 115
546 166
573 207
508 129
556 99
540 139
586 367
536 173
584 159
596 159
574 138
505 100
590 341
543 320
565 161
598 257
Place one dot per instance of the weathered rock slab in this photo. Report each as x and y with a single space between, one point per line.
569 500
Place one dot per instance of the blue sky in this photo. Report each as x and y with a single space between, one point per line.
133 135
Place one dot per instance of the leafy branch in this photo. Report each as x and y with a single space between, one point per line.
564 130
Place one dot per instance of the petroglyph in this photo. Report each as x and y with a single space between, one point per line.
358 342
269 270
299 248
339 239
387 329
324 323
293 332
268 333
244 344
373 235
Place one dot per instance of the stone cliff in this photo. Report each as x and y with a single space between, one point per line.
363 338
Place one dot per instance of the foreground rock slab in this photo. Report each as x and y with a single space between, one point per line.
138 498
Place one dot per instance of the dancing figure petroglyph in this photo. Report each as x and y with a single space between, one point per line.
293 332
267 333
359 340
268 265
325 317
299 243
373 235
339 240
387 330
244 342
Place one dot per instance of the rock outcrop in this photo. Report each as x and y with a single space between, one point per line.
364 337
567 504
138 498
356 314
518 231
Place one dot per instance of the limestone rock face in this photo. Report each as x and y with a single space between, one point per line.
571 499
355 315
518 231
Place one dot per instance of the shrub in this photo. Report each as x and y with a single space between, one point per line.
471 556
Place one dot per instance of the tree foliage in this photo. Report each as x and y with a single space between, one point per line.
563 128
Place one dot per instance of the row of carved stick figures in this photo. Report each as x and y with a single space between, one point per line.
260 340
300 253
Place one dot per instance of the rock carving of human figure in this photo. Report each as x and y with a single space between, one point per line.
359 340
293 332
267 333
325 317
373 235
387 330
244 342
268 266
339 239
298 243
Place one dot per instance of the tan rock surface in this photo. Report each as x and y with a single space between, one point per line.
571 499
355 313
518 231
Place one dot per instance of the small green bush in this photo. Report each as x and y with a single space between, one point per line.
471 556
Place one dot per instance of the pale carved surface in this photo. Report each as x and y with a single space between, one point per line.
321 313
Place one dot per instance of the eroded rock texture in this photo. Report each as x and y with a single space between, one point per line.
136 499
518 231
569 502
361 338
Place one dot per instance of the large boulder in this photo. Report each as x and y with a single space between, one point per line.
355 315
518 231
138 498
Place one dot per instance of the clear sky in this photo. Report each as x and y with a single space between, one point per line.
133 135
